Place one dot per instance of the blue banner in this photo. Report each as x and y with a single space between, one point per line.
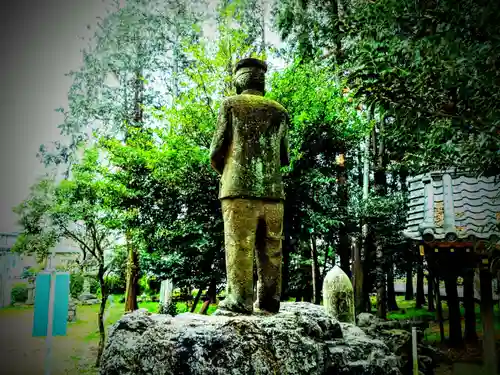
41 313
61 302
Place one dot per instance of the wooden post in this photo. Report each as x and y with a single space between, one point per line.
48 339
430 292
439 306
414 350
489 350
469 306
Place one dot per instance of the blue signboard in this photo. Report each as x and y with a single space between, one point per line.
60 304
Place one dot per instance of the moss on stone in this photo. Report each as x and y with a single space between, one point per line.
338 296
249 142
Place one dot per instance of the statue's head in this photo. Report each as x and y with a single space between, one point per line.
249 74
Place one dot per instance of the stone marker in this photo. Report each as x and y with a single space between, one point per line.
31 293
87 298
71 311
338 295
166 289
248 149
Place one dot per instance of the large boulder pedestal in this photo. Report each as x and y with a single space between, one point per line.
300 339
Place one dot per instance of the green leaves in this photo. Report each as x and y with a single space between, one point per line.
432 67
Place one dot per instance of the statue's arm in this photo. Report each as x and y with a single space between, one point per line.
284 156
220 141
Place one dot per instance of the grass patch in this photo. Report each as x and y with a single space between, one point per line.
74 353
408 311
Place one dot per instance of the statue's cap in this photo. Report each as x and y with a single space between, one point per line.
250 63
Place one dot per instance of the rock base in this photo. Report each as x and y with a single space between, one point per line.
300 339
88 299
397 335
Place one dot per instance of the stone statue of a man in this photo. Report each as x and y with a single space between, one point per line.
248 149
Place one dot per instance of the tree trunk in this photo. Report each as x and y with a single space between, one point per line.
212 290
325 263
285 272
133 256
344 252
196 300
439 306
380 179
430 293
100 317
381 285
211 296
263 29
368 264
409 278
420 284
315 272
132 276
365 243
358 276
307 292
367 274
470 334
487 316
392 304
455 330
344 248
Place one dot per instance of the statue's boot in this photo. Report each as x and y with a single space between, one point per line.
240 224
269 257
230 304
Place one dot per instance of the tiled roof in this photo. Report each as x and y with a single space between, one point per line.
444 204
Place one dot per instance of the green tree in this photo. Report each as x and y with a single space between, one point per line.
75 209
431 66
133 60
325 124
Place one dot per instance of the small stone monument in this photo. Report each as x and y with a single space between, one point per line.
86 297
166 289
338 296
31 292
248 149
71 311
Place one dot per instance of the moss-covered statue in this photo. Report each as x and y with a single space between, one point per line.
338 295
248 149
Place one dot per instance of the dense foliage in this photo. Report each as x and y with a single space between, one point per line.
376 91
431 65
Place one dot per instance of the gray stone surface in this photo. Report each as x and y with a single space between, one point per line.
86 296
94 301
397 336
300 339
88 299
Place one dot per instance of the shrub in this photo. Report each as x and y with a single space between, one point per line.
28 272
19 293
149 285
94 284
115 284
170 309
75 284
154 285
143 285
